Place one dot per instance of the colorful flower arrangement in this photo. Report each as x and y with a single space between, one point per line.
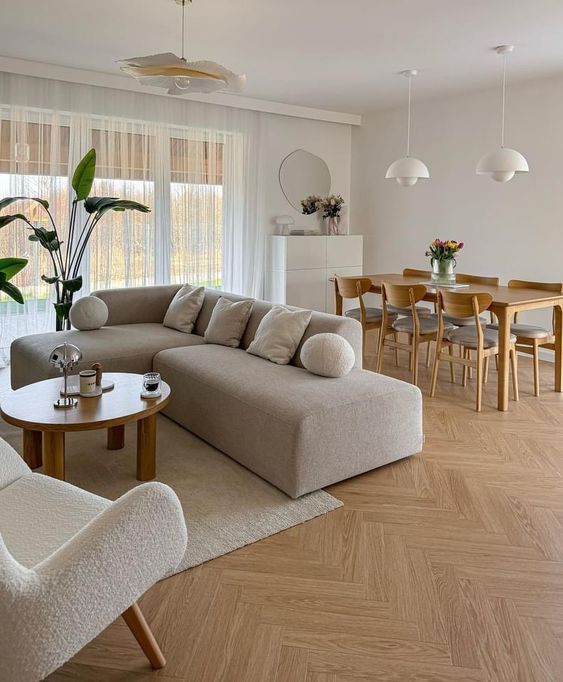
331 206
439 250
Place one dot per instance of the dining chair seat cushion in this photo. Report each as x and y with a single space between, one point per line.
407 312
467 336
372 314
464 321
528 331
428 324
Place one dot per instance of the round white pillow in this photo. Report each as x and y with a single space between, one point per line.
328 355
89 312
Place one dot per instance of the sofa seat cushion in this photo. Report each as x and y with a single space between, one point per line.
39 513
119 348
282 421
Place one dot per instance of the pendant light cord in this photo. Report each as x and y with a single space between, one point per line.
183 27
409 120
503 100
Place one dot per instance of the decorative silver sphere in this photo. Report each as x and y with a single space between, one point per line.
65 357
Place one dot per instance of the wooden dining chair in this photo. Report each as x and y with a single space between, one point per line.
418 328
473 338
530 338
354 288
406 310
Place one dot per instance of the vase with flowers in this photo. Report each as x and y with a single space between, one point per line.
331 207
443 260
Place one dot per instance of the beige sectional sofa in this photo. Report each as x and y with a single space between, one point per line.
297 430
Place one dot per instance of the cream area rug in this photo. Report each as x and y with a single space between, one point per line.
226 506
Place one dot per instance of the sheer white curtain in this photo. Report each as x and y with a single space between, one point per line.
195 165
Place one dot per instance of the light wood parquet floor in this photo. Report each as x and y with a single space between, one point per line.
444 566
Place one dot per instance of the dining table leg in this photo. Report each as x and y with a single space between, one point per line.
504 316
558 333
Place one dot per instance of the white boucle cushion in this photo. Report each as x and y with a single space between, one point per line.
328 355
279 334
89 312
184 309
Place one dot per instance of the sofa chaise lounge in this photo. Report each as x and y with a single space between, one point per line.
297 430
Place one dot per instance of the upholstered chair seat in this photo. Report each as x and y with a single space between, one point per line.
467 336
529 331
372 314
72 562
407 310
428 324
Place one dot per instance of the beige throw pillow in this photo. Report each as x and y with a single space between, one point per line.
184 309
228 322
279 333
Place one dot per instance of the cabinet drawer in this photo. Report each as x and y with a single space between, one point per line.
305 253
344 251
306 289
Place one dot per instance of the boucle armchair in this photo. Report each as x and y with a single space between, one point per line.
72 562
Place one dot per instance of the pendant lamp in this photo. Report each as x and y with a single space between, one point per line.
408 170
502 164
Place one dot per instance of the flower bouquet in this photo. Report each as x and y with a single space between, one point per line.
443 260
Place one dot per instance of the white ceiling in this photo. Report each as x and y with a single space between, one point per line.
333 54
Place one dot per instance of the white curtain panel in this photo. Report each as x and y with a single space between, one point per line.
196 165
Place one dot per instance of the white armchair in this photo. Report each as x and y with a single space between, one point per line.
72 562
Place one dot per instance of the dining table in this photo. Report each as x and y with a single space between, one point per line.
506 302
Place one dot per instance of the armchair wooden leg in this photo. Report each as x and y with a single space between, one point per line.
139 627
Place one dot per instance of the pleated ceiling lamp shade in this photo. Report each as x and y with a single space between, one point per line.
502 164
408 170
177 75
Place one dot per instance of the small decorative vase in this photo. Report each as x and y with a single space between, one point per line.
443 271
331 224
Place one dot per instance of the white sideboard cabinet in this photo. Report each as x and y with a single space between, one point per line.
299 268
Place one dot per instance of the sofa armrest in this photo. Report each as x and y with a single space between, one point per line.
137 304
74 594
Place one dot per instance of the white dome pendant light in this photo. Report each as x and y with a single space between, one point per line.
503 163
408 170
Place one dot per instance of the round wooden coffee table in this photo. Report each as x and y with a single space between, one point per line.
44 426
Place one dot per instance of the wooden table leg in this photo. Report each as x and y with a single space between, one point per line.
54 454
33 448
504 317
116 437
558 332
146 448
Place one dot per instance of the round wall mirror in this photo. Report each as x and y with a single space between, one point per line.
303 174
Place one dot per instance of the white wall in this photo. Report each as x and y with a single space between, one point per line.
283 134
513 230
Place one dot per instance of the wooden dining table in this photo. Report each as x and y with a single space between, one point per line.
506 302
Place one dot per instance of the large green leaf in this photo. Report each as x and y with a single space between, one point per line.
73 285
93 204
7 219
84 175
62 310
47 238
12 291
11 266
121 205
11 200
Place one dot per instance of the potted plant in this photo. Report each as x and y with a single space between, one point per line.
66 258
443 261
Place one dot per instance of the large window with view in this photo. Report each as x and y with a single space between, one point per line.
178 172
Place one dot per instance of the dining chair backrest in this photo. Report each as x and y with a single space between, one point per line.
402 295
544 286
462 304
352 287
462 278
413 272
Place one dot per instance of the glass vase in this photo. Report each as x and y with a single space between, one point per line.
443 271
331 225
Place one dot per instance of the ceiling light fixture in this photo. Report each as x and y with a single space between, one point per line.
179 76
503 163
408 170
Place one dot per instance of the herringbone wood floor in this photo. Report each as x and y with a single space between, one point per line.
444 566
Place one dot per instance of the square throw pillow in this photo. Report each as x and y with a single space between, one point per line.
279 334
228 322
184 309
